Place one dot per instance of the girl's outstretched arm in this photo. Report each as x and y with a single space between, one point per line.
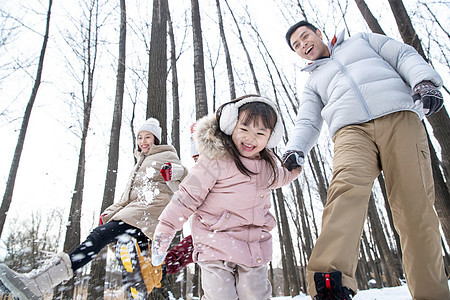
160 245
285 177
192 193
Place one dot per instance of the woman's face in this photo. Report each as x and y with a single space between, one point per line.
145 140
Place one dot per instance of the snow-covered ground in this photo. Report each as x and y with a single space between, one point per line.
395 293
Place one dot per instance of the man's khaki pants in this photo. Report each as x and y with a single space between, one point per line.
397 144
225 280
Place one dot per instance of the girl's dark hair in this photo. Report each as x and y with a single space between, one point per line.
255 111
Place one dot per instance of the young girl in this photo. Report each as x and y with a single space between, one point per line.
157 172
228 193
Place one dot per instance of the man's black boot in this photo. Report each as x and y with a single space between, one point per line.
329 287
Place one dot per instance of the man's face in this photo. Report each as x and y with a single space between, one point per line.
308 44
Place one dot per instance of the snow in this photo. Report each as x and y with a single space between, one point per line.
396 293
393 293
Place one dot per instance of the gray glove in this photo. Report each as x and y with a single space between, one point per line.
429 95
293 159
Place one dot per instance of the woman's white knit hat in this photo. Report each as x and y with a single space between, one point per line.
151 125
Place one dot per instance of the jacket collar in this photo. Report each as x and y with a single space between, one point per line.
153 150
332 44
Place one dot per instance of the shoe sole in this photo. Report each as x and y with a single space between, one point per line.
125 258
4 289
17 288
131 271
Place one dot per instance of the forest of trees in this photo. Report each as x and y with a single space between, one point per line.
77 77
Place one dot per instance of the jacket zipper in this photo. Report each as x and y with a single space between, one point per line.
354 87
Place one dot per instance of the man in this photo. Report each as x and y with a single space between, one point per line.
372 91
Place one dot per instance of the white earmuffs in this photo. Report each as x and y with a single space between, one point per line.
230 115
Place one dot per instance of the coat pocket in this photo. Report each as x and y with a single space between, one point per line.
224 218
423 152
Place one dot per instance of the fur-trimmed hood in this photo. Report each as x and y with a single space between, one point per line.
206 139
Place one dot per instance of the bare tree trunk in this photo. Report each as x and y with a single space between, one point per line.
405 27
175 95
289 247
304 219
442 203
286 281
271 279
360 277
446 258
362 270
88 58
385 252
302 271
440 122
184 284
133 117
201 103
213 64
303 233
157 103
398 253
97 281
371 262
369 17
319 176
157 99
196 289
7 197
227 53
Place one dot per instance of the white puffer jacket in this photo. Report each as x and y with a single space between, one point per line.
367 76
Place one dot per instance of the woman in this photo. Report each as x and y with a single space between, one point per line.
150 187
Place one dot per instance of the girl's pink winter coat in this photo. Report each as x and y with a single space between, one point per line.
231 220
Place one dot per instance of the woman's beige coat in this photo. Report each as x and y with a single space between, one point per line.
146 193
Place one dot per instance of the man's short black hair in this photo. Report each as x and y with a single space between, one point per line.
294 28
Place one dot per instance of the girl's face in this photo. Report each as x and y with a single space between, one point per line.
145 140
250 138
